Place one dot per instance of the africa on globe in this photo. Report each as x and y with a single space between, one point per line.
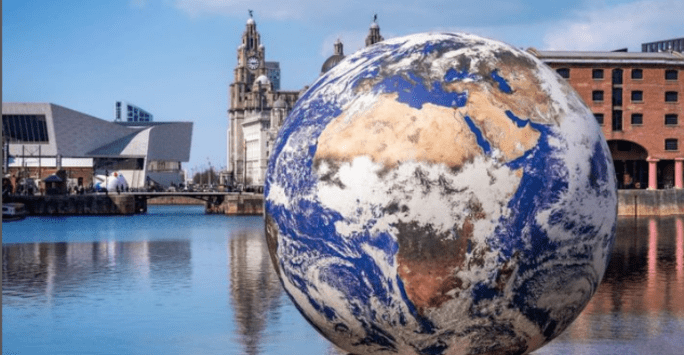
440 194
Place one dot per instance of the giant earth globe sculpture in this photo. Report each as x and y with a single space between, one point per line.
440 194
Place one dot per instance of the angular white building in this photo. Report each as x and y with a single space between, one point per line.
43 138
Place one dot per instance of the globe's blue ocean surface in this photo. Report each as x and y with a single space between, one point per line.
440 194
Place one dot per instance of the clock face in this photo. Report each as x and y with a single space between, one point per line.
252 63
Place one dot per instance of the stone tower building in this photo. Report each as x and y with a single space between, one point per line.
374 33
258 108
337 57
256 111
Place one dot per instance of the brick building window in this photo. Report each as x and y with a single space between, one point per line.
671 74
671 119
617 121
637 118
671 96
637 74
617 76
597 95
637 95
597 74
599 118
617 97
671 144
563 72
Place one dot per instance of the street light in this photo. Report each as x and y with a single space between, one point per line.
209 162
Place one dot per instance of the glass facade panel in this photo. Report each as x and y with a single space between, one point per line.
25 128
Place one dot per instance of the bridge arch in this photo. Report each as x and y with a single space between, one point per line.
209 198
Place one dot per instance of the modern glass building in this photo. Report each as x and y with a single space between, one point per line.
41 138
675 45
127 112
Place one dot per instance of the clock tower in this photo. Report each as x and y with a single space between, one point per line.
256 110
250 57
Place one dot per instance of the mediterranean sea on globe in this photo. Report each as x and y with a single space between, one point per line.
440 194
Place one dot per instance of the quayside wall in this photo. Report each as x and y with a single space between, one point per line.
242 204
95 204
650 202
630 203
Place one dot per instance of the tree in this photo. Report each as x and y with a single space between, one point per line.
206 176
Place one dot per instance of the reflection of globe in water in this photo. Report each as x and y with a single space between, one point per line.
440 194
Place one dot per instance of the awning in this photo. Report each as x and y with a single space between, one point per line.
53 178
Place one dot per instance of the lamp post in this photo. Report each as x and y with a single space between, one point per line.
209 172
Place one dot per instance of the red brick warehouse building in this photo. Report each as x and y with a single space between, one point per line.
638 98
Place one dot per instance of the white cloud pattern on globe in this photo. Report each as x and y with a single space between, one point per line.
440 194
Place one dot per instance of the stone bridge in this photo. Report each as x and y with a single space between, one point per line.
210 198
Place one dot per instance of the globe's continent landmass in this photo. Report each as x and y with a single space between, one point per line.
391 132
438 211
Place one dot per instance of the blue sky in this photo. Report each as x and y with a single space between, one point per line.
175 58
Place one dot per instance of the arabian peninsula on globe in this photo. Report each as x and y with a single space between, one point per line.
440 194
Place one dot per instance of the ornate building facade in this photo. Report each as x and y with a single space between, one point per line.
258 107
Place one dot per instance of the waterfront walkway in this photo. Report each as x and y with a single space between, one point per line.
136 202
630 202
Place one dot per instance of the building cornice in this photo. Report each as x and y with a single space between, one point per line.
622 58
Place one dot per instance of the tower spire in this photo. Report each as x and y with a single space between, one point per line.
339 49
374 32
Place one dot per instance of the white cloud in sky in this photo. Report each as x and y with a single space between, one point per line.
593 25
619 26
420 12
